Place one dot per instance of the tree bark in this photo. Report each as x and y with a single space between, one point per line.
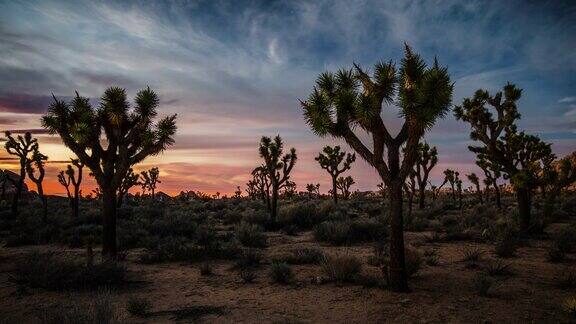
524 205
274 204
422 195
479 194
109 248
20 184
497 192
398 278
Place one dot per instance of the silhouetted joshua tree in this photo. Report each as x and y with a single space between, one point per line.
516 153
36 163
555 176
21 147
277 168
130 180
70 177
451 177
459 190
313 189
473 178
330 159
262 183
130 136
491 176
427 158
150 180
4 179
351 98
344 184
238 193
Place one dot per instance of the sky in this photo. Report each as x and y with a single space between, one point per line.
233 71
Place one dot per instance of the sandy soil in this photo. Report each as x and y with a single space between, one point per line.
440 294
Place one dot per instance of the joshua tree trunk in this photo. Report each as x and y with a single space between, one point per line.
274 203
479 192
398 278
523 198
44 200
109 222
453 192
421 196
497 193
334 190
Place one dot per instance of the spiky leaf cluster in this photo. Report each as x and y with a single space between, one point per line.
331 157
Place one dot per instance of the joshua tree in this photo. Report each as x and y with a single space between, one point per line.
289 189
130 136
426 160
352 98
277 167
382 189
410 189
313 189
150 180
261 183
69 177
252 189
491 176
33 164
21 147
473 178
452 178
459 189
344 184
4 179
516 153
238 193
330 159
130 180
555 176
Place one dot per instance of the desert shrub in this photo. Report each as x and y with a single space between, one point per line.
340 268
247 275
555 254
281 272
46 271
206 237
481 284
334 232
506 243
303 256
173 224
250 235
413 261
139 307
259 216
171 249
431 257
249 258
570 306
368 281
499 268
303 215
471 255
565 240
100 310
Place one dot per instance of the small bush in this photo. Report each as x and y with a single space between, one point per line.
482 284
556 254
251 235
249 258
567 279
303 256
506 244
499 268
341 268
413 261
139 307
247 275
570 306
334 232
471 255
281 272
431 257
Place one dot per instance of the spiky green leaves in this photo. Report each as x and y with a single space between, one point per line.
331 157
274 162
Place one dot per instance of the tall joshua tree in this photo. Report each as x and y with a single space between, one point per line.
339 102
473 178
277 167
71 177
36 163
130 180
130 135
330 159
491 176
427 158
150 180
21 147
516 153
344 184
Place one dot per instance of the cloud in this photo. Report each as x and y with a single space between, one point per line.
24 103
567 99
